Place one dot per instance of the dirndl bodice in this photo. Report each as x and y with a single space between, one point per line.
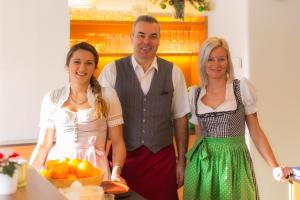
223 124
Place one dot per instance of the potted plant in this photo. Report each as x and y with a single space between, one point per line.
200 5
8 173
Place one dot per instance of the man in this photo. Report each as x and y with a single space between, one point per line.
154 101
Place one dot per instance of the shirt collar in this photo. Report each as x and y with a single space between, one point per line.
136 65
66 93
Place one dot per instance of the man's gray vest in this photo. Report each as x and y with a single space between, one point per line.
147 118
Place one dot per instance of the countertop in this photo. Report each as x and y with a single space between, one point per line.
37 188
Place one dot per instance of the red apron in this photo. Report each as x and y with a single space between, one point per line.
152 175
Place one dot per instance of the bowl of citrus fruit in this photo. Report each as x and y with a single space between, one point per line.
62 173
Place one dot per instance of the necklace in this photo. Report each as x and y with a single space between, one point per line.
76 102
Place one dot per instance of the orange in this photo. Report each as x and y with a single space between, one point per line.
66 160
49 164
72 177
72 164
45 173
59 170
84 169
97 172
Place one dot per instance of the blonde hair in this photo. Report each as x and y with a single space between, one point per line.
207 47
101 109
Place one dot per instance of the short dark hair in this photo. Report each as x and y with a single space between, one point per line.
84 46
144 18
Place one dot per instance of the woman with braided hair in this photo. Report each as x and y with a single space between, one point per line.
79 116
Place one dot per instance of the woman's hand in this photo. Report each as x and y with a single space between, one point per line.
119 152
118 178
115 175
281 173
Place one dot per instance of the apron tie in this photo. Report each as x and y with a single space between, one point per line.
201 143
198 158
92 151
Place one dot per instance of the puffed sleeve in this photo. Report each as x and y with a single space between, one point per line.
180 102
249 97
114 117
47 112
192 91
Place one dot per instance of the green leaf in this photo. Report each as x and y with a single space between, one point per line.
9 169
163 6
201 8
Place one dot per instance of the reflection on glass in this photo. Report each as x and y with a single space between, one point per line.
95 14
171 41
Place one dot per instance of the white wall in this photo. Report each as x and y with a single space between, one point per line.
34 38
265 34
274 40
228 19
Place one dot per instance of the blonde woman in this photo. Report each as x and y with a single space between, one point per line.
79 116
219 164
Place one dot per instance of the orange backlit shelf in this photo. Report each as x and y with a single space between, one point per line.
179 41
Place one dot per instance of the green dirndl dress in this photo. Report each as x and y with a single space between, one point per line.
219 164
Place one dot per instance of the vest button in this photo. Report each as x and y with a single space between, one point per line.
145 109
142 141
143 131
144 120
145 99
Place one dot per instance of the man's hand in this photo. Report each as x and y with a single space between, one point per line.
180 167
181 138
